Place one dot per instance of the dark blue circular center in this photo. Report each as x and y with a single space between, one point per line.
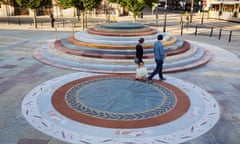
122 25
120 98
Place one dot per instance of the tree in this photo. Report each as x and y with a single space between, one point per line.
134 6
91 5
33 5
80 5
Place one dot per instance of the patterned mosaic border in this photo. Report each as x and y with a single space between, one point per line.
180 108
73 101
202 115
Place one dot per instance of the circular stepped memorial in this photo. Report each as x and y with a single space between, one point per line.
110 48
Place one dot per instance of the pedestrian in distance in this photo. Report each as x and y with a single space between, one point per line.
52 20
159 56
141 70
139 51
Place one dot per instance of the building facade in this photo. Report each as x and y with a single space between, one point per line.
228 10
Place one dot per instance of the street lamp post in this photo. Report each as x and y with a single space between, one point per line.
202 17
191 15
165 16
157 9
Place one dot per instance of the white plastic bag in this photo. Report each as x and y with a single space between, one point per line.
141 71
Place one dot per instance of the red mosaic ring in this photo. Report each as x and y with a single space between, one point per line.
62 106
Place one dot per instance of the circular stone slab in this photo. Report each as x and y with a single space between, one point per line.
38 109
115 101
122 25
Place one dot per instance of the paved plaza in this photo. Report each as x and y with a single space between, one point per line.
22 76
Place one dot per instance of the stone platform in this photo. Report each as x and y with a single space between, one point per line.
102 53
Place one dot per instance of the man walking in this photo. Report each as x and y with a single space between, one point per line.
159 55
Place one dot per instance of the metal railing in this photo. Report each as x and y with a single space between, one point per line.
183 27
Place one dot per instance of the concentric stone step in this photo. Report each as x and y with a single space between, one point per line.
169 59
72 39
117 53
123 29
127 29
115 40
179 42
111 48
62 60
122 26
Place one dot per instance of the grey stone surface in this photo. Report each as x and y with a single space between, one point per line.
19 73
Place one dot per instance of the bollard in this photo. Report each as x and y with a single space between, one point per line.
73 24
165 19
63 22
73 30
220 33
181 21
156 19
19 21
202 17
181 28
230 37
8 20
56 32
211 33
195 31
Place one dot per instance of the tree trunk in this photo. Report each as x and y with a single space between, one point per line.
107 15
78 14
35 18
134 18
83 20
86 20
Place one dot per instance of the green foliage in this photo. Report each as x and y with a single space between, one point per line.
33 4
134 6
91 4
154 6
80 4
64 3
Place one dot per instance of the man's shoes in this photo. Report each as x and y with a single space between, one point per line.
162 79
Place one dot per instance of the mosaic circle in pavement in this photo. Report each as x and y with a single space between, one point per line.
115 101
81 108
112 96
